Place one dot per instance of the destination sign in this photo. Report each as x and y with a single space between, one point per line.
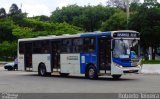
126 34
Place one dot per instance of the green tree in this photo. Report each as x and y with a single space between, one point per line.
6 26
34 28
2 13
8 49
14 10
17 25
22 32
116 22
16 15
42 18
147 22
89 18
66 14
92 17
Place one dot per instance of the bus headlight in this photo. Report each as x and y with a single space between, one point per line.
118 65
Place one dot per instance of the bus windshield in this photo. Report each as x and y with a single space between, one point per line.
125 48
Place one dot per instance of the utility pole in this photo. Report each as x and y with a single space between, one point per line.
127 10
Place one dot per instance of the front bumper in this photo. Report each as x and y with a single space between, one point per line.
119 70
131 69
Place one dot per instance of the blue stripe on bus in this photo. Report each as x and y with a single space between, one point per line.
122 62
89 58
96 34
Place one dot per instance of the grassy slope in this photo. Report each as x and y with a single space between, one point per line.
151 62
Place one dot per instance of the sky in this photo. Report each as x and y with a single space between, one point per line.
45 7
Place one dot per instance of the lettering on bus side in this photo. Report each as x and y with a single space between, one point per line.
72 57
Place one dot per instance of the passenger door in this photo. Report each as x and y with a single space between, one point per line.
28 55
104 53
55 57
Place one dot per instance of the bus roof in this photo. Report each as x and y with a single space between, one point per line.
89 34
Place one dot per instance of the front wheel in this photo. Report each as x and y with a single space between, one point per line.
42 70
116 76
91 73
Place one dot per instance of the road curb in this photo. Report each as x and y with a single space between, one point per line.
151 69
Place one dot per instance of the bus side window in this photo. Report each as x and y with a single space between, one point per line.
66 46
89 44
21 48
45 46
37 47
77 45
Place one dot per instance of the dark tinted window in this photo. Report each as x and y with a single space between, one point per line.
45 46
89 44
37 47
66 46
40 47
77 45
21 47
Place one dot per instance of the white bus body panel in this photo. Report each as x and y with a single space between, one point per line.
21 62
41 58
118 70
70 63
115 70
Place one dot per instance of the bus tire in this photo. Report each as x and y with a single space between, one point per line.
42 70
64 74
91 72
116 76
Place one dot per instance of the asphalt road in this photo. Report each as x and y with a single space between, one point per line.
29 82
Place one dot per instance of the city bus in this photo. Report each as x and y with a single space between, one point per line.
93 54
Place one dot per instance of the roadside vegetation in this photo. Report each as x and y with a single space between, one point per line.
72 19
151 62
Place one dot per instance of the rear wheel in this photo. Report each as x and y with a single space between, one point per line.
116 76
91 73
42 70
